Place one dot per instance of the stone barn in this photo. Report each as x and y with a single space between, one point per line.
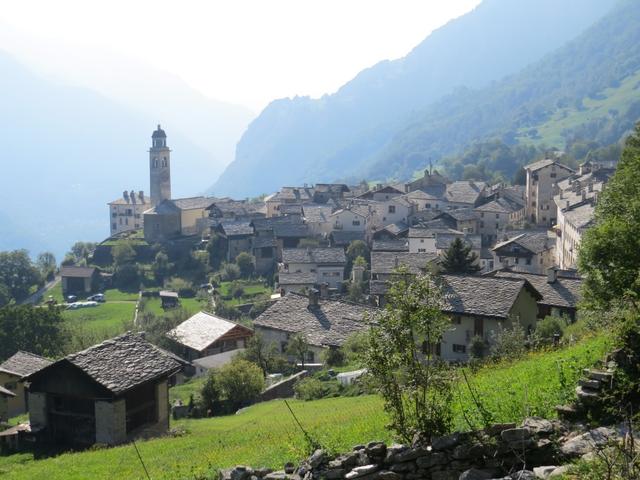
78 280
108 394
12 371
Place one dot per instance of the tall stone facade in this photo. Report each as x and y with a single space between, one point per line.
159 167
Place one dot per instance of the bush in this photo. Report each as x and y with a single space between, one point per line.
240 382
245 263
334 357
309 389
355 346
477 347
236 290
184 288
229 272
549 327
127 277
509 343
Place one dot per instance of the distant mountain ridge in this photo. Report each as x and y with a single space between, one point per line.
302 139
67 151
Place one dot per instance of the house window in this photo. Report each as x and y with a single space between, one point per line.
11 385
392 209
310 357
427 205
516 260
457 320
114 226
266 252
422 250
528 261
497 226
482 214
481 224
155 162
553 175
283 347
497 215
355 223
459 348
164 161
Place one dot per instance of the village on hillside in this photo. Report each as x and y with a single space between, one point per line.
323 257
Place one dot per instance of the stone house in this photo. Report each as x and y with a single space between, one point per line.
445 239
326 192
530 251
324 323
493 217
463 219
424 201
204 334
395 210
464 194
264 249
317 218
177 217
327 264
560 293
228 209
296 281
343 238
237 235
541 178
287 196
12 372
287 231
382 193
355 218
78 280
393 231
422 240
107 394
431 182
127 213
482 306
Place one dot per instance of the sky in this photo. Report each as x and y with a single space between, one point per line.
247 52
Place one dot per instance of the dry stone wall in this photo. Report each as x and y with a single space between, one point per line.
534 449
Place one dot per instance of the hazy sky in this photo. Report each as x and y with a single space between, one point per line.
242 51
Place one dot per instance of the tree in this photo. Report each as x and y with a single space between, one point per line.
127 277
35 329
245 263
18 273
161 266
298 348
229 272
240 382
355 291
258 351
5 296
217 251
82 250
46 263
123 254
417 388
609 255
459 258
356 249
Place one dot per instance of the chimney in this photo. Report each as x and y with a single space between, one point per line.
313 298
324 290
561 194
583 195
552 275
590 187
568 204
132 196
141 196
125 195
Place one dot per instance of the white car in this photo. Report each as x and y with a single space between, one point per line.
77 305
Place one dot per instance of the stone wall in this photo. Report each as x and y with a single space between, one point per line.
500 452
111 422
38 410
283 389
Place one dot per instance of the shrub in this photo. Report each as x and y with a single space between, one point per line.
509 343
229 272
236 289
334 357
184 288
550 326
240 382
245 263
126 277
309 389
355 346
477 347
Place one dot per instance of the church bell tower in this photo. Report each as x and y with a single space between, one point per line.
159 167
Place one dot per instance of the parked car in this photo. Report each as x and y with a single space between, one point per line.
98 297
77 305
71 298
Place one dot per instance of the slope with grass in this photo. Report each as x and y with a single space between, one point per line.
266 434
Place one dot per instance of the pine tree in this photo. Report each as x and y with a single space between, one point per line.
459 258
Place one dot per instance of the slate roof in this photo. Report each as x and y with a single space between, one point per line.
264 241
397 245
421 233
328 324
299 230
444 240
22 363
193 202
462 214
464 191
316 213
386 262
564 292
580 216
482 296
539 164
272 222
536 241
121 201
343 238
497 206
319 255
236 228
77 272
201 330
396 228
122 363
419 195
296 278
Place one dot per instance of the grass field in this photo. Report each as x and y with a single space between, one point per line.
185 390
265 434
106 317
190 305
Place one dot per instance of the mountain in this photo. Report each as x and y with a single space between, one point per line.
66 152
586 90
302 139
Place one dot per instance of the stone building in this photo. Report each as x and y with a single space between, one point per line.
529 251
12 372
107 394
324 323
204 334
541 179
159 167
127 213
327 264
78 280
178 217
